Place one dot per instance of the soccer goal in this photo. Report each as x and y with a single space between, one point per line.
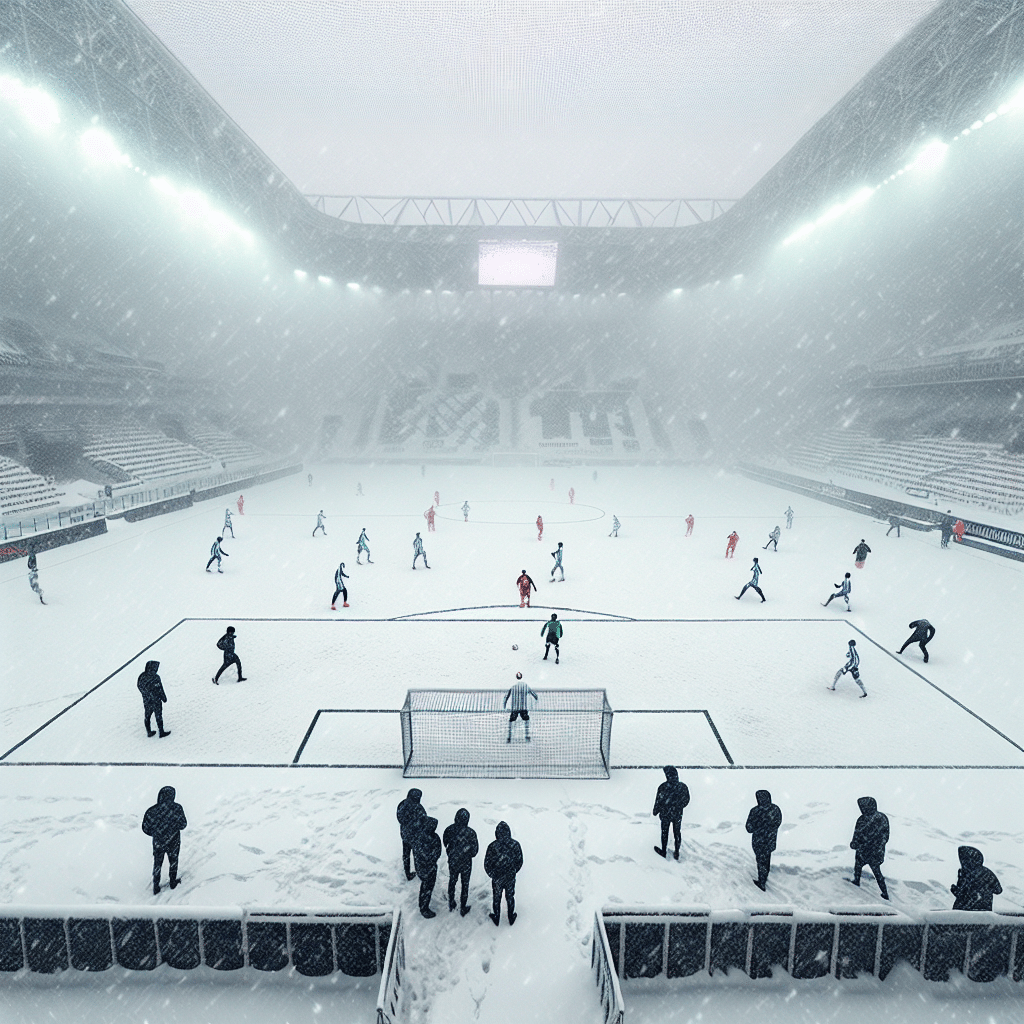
467 734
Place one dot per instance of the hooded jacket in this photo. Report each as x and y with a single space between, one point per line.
763 822
410 815
504 857
672 796
975 884
426 847
165 820
871 832
150 687
460 842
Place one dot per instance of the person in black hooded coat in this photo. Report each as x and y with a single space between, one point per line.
763 824
671 800
153 698
870 835
502 862
975 885
426 848
410 816
164 821
461 845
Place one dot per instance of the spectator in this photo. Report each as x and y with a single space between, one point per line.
671 800
426 848
153 698
410 816
870 835
164 821
461 845
975 885
503 860
763 824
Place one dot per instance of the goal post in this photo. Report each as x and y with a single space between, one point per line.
467 734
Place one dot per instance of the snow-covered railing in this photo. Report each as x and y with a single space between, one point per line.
313 942
391 999
608 989
844 942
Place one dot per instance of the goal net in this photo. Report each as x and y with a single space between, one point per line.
467 734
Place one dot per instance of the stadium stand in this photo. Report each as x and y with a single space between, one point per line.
128 453
985 475
228 450
22 490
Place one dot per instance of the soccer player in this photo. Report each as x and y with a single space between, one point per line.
417 551
363 544
503 860
227 644
320 520
429 516
853 667
842 590
615 526
553 629
773 538
572 495
524 583
731 541
763 824
557 556
227 524
309 477
216 551
958 531
339 587
756 571
669 804
520 694
789 517
437 498
241 505
33 576
860 554
922 636
689 524
540 527
465 511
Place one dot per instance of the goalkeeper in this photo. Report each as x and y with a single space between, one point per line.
553 629
520 694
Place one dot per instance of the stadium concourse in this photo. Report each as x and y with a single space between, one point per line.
650 617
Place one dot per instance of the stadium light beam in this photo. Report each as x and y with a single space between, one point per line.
930 157
100 148
39 108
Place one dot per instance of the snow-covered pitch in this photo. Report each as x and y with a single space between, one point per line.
290 779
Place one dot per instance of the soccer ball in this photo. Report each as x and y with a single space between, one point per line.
515 647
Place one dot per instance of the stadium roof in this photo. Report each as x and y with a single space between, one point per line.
634 98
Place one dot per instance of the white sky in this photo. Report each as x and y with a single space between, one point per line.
647 98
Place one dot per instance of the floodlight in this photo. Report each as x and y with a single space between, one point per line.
930 157
323 280
300 274
100 147
194 204
354 285
39 108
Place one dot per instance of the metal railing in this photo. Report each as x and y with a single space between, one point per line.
608 989
391 998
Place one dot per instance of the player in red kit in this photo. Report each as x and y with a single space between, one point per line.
540 527
524 583
689 524
429 516
730 547
241 502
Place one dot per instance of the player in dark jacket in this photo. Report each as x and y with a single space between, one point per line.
870 835
410 816
227 644
339 586
426 848
922 636
975 885
763 823
503 860
153 698
164 821
860 553
671 800
461 845
553 629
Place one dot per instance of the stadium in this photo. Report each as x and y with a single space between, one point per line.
715 308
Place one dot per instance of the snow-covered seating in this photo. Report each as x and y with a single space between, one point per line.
133 453
228 450
22 490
